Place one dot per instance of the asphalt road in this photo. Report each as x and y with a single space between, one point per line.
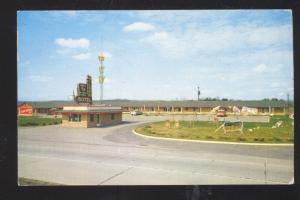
115 156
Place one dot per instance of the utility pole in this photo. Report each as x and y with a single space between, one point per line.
198 93
288 103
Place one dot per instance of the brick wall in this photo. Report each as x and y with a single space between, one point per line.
67 123
105 119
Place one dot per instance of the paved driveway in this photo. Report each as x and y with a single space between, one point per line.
115 156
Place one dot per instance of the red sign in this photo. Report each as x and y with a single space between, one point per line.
25 110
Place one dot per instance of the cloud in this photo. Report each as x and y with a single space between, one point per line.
108 80
82 56
63 51
106 54
73 43
138 26
159 36
218 38
166 86
40 78
260 68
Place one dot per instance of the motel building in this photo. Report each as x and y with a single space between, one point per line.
163 107
90 116
263 107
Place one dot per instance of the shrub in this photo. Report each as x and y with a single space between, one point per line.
259 139
44 124
241 139
32 123
209 137
223 138
277 139
290 140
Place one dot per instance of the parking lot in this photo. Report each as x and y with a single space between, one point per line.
113 155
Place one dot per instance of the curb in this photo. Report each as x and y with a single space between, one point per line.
210 142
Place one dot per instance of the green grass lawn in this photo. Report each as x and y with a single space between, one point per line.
198 130
33 182
37 121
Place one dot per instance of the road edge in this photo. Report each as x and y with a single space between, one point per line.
210 142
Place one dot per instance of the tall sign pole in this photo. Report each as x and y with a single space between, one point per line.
101 77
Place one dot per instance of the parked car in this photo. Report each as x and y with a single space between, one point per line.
136 112
221 113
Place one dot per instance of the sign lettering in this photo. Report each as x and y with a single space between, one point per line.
84 91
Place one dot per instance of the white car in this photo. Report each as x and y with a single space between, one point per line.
136 112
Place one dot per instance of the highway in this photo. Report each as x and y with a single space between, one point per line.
115 156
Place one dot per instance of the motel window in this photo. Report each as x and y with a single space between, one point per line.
165 109
98 118
92 117
112 116
75 118
186 108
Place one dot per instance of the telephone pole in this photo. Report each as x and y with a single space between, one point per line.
198 93
288 103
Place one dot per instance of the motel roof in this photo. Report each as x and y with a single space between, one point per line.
91 109
186 103
192 103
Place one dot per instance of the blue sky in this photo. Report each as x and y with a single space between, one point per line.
156 55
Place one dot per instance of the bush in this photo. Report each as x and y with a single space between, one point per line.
223 138
277 139
290 140
241 139
32 124
209 137
44 124
259 139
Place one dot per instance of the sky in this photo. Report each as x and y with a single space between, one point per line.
156 55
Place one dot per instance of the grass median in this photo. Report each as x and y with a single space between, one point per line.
199 130
37 121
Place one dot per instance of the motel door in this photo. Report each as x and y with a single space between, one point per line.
98 120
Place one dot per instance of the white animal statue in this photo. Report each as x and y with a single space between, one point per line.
236 110
215 109
246 110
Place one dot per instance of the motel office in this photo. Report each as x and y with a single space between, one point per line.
90 116
265 107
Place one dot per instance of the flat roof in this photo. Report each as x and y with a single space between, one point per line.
91 108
